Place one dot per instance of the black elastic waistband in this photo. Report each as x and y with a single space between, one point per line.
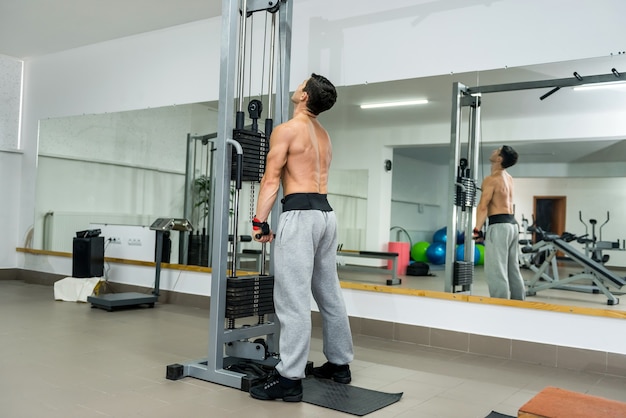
306 201
503 218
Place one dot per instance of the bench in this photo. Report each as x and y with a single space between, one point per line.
393 257
554 402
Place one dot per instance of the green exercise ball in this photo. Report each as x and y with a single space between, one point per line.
418 251
481 250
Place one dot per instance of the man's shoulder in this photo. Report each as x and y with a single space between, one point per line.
498 176
291 124
286 129
490 179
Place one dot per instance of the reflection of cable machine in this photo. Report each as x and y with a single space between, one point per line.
460 274
461 215
235 354
195 248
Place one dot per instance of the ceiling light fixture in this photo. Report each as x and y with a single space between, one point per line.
394 104
598 86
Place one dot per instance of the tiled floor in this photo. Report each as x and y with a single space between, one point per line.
64 359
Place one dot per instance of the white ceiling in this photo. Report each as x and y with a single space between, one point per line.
31 28
37 27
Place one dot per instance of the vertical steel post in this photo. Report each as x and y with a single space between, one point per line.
283 98
455 146
472 158
226 112
281 114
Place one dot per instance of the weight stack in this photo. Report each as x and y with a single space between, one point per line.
249 296
255 148
463 273
465 197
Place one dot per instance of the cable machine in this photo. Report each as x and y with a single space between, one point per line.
464 168
234 352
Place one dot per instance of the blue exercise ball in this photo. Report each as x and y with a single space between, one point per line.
460 253
440 235
436 253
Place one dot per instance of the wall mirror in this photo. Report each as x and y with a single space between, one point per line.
129 167
571 147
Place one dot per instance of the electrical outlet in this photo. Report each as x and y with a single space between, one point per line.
115 240
134 241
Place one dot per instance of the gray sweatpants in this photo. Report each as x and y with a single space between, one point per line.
501 262
305 254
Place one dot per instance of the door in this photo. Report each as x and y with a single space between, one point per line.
550 214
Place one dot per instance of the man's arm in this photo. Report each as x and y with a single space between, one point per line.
270 183
482 209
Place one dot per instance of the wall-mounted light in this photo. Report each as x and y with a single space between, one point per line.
394 104
600 86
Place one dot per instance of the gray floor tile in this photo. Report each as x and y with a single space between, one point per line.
64 359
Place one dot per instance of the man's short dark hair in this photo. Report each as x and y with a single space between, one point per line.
509 156
322 94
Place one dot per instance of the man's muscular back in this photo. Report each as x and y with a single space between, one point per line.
500 186
309 154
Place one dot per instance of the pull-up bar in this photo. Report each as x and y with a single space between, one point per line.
555 84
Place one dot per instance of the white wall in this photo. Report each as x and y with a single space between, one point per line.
10 158
353 41
419 203
358 42
10 164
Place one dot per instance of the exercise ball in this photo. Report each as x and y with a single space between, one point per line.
436 253
460 253
418 251
440 235
481 251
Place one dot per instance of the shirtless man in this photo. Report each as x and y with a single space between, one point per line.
501 239
305 247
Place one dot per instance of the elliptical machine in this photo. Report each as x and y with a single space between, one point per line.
594 244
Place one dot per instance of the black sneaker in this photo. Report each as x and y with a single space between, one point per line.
340 374
278 387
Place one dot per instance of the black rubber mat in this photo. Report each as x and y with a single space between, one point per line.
345 398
